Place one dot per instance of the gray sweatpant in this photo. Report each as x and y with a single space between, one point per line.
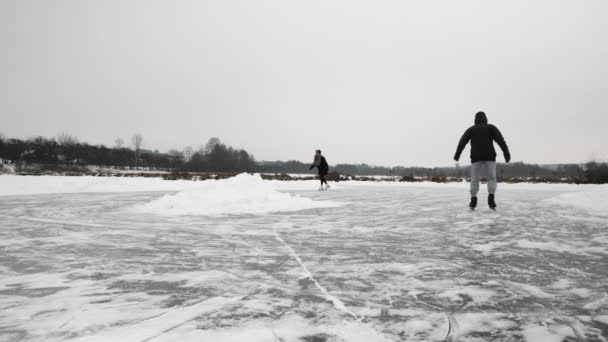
485 169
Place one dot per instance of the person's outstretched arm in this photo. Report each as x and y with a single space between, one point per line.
315 163
500 140
462 143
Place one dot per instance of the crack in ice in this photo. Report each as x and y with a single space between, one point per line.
335 301
452 327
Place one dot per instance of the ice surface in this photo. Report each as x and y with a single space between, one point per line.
589 197
547 334
395 262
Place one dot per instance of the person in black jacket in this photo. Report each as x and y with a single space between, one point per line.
322 167
483 156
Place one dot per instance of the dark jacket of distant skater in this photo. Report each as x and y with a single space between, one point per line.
320 163
482 136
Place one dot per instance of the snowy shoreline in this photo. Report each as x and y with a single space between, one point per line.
585 196
10 169
11 185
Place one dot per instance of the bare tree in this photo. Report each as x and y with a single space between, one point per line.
188 151
68 147
176 159
119 143
65 139
211 145
137 141
187 154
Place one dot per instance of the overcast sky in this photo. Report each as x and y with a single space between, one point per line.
382 82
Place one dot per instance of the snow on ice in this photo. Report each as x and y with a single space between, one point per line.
243 194
242 259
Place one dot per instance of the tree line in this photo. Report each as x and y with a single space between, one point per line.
66 152
518 169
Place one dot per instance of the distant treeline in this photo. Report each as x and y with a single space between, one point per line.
65 152
596 173
518 169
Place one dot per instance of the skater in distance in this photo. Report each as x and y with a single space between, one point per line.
322 167
483 156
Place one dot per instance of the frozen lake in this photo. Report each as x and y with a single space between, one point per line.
361 262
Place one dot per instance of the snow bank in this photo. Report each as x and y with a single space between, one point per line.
33 185
243 194
30 185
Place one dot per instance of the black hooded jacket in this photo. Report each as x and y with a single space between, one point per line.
321 164
482 136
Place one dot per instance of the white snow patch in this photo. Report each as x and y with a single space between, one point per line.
581 292
593 198
288 328
528 290
243 194
547 334
13 185
561 284
560 247
547 246
481 322
597 304
33 281
34 185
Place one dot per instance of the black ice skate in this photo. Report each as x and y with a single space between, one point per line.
473 203
491 202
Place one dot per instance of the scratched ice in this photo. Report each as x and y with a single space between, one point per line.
360 262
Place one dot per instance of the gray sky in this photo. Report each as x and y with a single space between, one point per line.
383 82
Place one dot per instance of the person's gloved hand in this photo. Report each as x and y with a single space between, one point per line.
507 158
456 158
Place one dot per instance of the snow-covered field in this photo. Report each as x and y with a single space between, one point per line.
140 259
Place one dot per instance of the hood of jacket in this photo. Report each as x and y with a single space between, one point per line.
481 118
